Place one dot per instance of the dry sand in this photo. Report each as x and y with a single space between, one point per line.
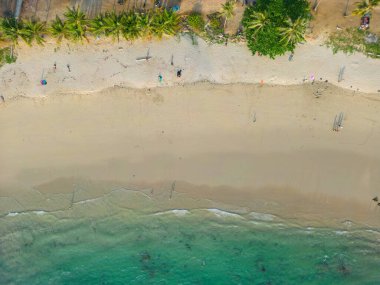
101 65
289 162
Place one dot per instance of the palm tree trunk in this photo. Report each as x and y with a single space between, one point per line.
345 10
18 8
315 5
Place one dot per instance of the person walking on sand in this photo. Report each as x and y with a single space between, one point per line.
160 78
68 67
55 66
179 73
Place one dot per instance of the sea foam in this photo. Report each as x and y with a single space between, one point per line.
224 214
262 216
177 212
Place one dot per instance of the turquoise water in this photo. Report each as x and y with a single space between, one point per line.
197 247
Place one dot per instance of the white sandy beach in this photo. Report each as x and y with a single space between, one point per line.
202 135
101 65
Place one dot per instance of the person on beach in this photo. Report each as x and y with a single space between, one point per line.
160 78
55 66
179 73
312 78
68 67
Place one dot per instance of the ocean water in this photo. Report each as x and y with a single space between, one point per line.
201 246
125 237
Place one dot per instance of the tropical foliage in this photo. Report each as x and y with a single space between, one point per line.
32 31
365 7
273 27
227 11
75 27
58 29
7 56
353 40
165 22
10 29
196 22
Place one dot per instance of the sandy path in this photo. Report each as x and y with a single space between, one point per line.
98 66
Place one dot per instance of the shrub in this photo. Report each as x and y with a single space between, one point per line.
352 40
273 27
196 22
6 56
215 24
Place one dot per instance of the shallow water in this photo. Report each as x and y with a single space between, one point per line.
181 247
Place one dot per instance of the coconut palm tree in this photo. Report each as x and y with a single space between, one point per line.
10 29
365 7
130 26
97 26
57 29
227 11
294 31
76 24
113 25
145 24
32 31
258 21
164 22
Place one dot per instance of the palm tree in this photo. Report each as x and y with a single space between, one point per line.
294 31
75 24
258 21
227 11
32 31
365 7
145 24
130 26
57 29
164 22
97 26
113 25
10 28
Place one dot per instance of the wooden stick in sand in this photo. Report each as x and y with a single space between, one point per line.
340 120
341 71
172 190
374 199
144 58
335 123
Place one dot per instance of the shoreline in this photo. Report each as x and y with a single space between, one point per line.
288 163
104 65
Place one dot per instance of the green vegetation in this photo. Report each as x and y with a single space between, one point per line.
365 7
7 56
31 31
196 22
75 27
353 40
214 24
227 11
273 27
